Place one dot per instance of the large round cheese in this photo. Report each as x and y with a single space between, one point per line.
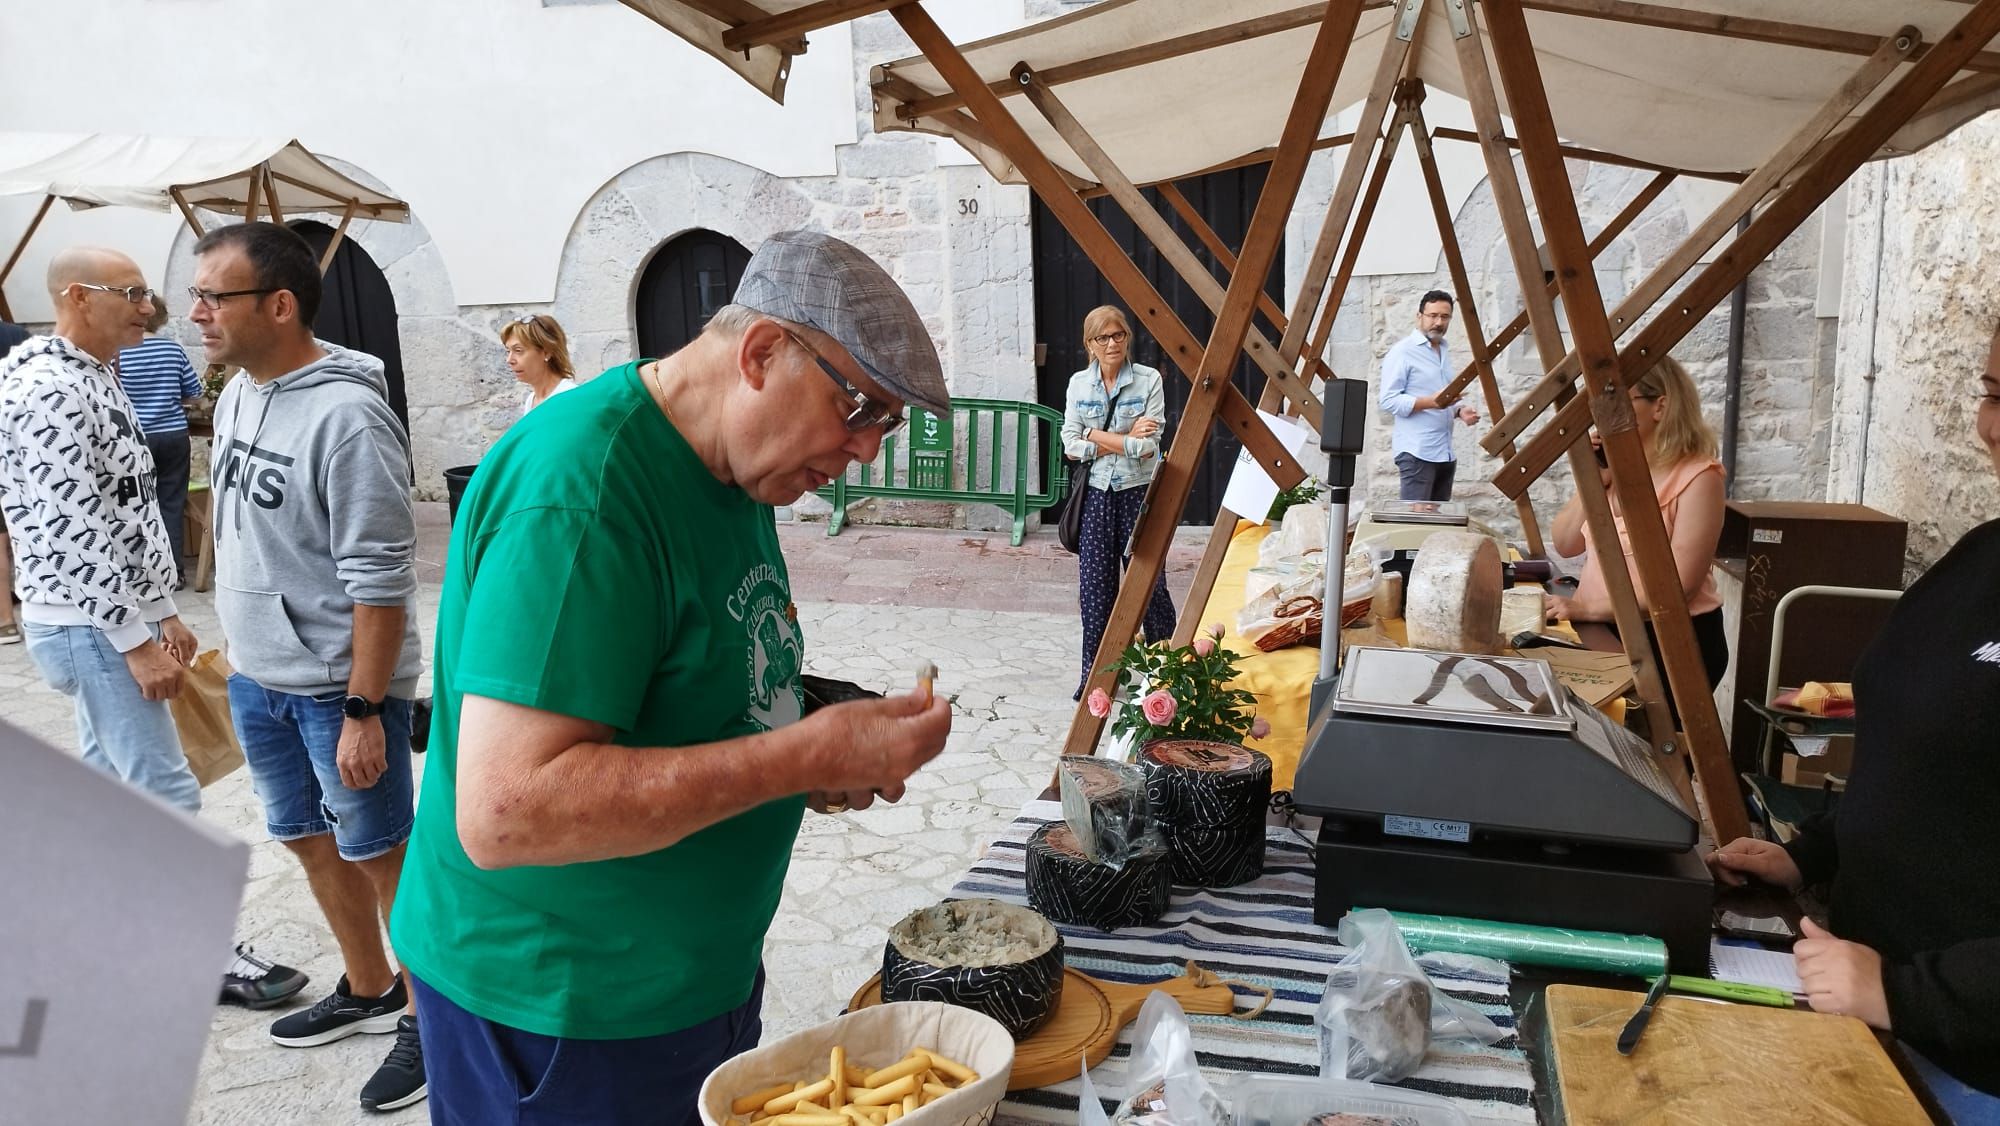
1000 959
1453 602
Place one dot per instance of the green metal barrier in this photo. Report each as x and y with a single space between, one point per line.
929 465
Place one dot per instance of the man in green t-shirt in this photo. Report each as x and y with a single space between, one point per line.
619 754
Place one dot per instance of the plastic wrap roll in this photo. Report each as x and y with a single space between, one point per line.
1107 809
1209 857
1067 887
1526 944
1194 782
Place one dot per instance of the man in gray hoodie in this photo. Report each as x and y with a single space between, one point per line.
314 580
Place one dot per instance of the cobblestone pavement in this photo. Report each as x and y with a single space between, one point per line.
1000 624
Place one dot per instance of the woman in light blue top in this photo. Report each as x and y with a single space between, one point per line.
1112 419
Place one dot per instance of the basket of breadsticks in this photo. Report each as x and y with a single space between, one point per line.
924 1063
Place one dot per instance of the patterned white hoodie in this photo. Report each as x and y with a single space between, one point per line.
76 487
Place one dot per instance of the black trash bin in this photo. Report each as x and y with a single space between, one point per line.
455 480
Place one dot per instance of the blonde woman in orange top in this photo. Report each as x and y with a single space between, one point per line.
1688 481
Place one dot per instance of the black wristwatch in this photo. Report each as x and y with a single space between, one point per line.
360 707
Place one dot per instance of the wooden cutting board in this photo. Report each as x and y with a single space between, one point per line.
1089 1017
1702 1062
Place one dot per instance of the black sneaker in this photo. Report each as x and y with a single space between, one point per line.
339 1015
255 983
400 1080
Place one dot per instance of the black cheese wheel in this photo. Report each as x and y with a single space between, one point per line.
981 954
1195 782
1068 887
1207 857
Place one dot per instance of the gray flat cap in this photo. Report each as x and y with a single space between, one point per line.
817 280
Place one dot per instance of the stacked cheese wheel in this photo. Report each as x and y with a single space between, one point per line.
1069 887
1209 799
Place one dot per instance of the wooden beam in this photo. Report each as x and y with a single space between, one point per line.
1346 191
187 211
1141 54
333 244
799 21
367 210
250 197
1540 300
1047 181
1175 478
1679 18
1631 473
272 203
1595 156
41 211
1261 156
1625 217
1156 228
1412 91
1217 249
1783 163
1363 217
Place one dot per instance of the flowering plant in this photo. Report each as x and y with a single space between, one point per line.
1181 693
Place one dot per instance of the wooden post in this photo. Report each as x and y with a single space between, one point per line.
333 244
1219 250
272 203
7 313
1520 237
1174 478
250 197
1313 282
187 211
1169 244
1625 217
1412 91
1631 473
1685 257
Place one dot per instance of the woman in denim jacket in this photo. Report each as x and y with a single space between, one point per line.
1112 417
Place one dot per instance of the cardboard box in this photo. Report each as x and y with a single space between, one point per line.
1812 770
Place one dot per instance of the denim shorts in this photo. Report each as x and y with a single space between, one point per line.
292 743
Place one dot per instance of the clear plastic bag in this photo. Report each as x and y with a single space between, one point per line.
1166 1086
1089 1112
1380 1012
1105 805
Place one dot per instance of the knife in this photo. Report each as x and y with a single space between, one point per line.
1629 1039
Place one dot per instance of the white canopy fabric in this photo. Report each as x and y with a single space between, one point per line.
764 67
1680 98
213 173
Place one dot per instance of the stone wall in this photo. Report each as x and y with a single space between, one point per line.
1913 339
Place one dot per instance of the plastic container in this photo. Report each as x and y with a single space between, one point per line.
455 480
1276 1101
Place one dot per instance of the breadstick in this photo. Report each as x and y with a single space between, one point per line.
936 1090
783 1103
926 673
895 1112
855 1076
809 1120
856 1115
807 1106
958 1072
750 1104
883 1096
837 1072
908 1065
911 1102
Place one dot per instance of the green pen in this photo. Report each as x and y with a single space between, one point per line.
1731 991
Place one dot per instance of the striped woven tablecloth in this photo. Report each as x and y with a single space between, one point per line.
1261 933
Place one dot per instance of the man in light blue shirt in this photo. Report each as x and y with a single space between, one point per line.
1416 369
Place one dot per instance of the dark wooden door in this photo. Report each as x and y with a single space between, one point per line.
1067 286
357 310
688 279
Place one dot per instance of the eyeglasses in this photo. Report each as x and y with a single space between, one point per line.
133 293
1110 338
868 411
212 300
531 319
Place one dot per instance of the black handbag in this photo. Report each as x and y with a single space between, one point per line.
1069 527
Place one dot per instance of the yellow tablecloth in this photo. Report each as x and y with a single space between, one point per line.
1282 681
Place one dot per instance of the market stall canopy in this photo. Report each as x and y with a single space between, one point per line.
214 173
1174 87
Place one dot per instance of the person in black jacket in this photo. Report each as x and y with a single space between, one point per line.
1913 943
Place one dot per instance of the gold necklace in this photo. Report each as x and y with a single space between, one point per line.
657 387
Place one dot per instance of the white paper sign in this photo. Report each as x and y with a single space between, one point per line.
113 939
1251 490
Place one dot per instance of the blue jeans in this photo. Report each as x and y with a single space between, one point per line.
486 1074
120 731
291 744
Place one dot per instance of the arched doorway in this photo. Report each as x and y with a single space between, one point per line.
357 309
688 279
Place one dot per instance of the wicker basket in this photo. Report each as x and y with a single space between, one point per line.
876 1037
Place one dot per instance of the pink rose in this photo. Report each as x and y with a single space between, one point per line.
1203 646
1099 703
1159 707
1215 630
1260 727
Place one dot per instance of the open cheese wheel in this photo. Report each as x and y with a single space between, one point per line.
1068 887
1453 604
1196 782
981 954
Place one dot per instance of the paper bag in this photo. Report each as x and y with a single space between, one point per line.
201 712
